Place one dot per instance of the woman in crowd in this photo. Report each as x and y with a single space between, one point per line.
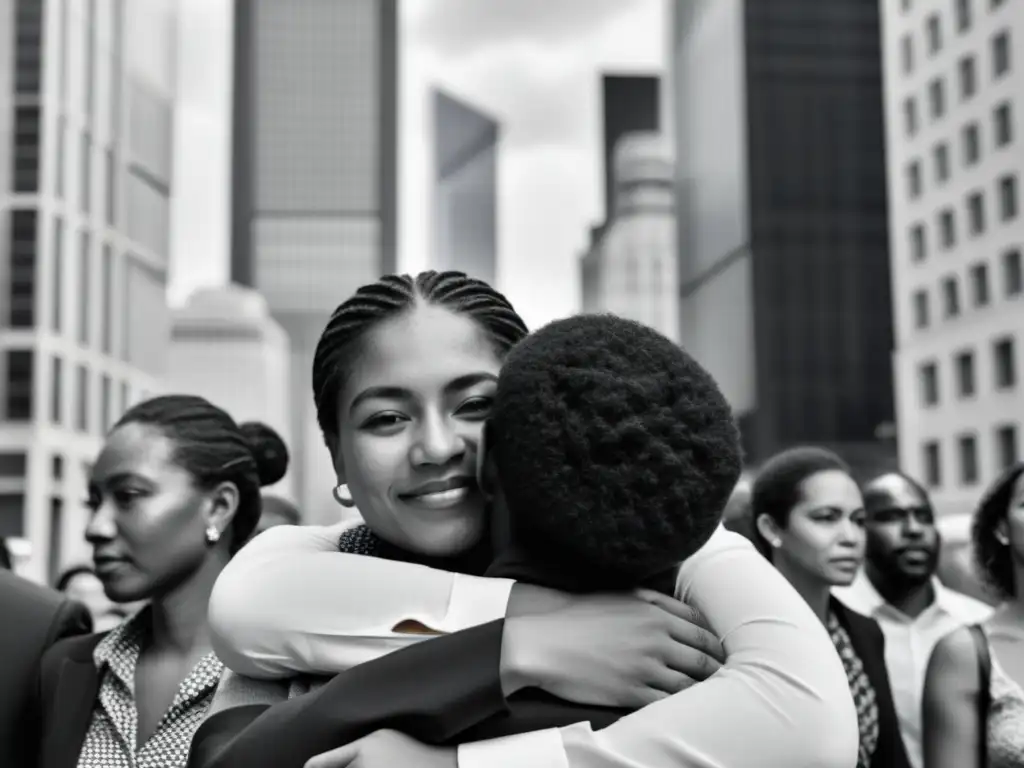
974 688
809 516
404 376
174 492
81 584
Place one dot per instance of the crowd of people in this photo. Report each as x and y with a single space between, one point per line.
538 575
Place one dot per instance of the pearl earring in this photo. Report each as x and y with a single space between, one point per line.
343 496
212 534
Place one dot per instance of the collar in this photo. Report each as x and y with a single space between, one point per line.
119 650
863 597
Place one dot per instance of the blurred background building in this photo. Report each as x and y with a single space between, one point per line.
314 198
226 347
953 89
87 103
465 188
782 217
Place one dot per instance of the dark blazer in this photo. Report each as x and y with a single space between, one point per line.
869 643
446 690
33 618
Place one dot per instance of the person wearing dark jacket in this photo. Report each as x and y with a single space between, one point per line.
34 618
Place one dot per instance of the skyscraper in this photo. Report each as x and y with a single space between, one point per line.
465 188
954 93
781 197
629 104
84 231
314 206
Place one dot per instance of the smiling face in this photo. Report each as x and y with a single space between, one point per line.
148 520
824 537
411 414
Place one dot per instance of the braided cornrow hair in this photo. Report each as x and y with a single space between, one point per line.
212 448
390 296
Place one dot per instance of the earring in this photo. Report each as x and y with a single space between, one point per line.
343 496
1002 538
212 534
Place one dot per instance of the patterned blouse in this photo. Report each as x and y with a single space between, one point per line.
861 688
111 739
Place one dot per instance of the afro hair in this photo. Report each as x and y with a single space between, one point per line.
615 450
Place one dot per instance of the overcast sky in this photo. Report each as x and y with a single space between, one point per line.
532 64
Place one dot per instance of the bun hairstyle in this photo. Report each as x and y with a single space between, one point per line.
615 450
390 296
211 447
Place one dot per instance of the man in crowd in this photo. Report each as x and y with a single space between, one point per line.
34 618
898 588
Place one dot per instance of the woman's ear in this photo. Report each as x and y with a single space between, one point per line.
486 471
222 508
769 530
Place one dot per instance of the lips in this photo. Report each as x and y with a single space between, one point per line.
435 487
107 562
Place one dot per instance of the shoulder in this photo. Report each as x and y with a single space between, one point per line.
39 614
953 673
965 607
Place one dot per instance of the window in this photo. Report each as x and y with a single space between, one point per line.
1007 453
20 379
933 32
1008 198
918 243
86 177
22 276
968 77
105 404
929 378
910 115
907 53
27 137
1000 54
922 312
90 58
1013 273
84 281
996 3
1005 363
1002 117
968 448
971 137
82 399
110 170
932 464
940 154
963 15
980 292
57 467
125 397
107 300
58 165
914 179
947 228
951 296
905 4
13 465
28 37
936 98
976 213
965 374
57 292
57 391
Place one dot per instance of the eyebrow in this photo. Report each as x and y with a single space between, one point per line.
400 393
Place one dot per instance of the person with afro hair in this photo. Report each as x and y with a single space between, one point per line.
608 456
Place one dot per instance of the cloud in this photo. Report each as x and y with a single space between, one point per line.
462 27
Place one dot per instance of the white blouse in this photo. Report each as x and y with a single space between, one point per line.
290 603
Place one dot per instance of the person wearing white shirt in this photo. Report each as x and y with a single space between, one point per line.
898 588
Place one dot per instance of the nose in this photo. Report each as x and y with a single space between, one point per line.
850 532
101 526
913 527
437 442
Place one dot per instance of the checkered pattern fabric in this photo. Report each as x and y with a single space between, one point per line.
111 741
861 688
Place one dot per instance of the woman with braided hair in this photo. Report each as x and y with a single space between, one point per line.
405 377
173 494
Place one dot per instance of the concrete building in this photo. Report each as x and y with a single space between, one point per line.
630 267
226 347
86 115
630 103
465 189
314 206
782 217
954 96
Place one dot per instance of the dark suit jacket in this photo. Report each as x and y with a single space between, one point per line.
33 618
869 643
446 690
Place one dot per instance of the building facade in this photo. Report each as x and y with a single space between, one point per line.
954 84
85 199
465 189
314 198
630 103
782 217
630 267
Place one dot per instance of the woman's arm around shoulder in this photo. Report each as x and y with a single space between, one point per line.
782 697
951 727
290 603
